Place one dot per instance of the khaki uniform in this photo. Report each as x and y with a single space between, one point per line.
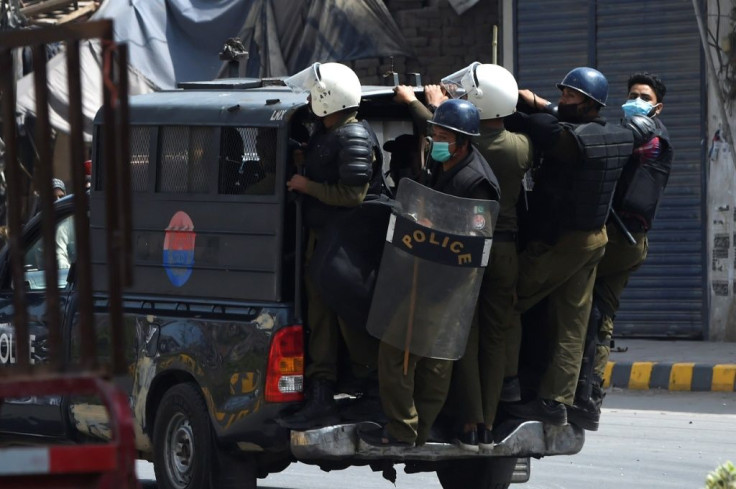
478 375
412 402
565 274
325 327
621 259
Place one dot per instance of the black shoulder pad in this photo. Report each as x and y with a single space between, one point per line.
356 154
642 127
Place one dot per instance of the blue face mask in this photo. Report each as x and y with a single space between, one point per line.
441 151
637 106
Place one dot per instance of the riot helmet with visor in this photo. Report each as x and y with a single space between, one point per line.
332 87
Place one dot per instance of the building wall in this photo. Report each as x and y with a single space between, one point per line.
721 169
443 41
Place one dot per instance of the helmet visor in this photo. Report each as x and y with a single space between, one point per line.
461 82
304 80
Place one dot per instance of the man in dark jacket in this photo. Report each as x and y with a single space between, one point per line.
637 197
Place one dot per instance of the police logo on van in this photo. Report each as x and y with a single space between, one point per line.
179 248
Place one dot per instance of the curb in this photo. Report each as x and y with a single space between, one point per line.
671 376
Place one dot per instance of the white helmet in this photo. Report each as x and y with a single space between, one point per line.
491 88
332 87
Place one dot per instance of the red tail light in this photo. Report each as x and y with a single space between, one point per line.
285 375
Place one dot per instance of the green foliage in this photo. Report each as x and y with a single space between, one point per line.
724 477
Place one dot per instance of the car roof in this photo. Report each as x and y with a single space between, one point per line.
244 101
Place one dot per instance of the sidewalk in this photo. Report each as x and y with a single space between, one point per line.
672 364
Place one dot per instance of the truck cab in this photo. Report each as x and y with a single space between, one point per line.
214 318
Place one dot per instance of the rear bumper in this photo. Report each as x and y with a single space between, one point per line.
530 438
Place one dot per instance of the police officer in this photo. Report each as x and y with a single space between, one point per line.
412 402
637 197
478 375
338 169
573 190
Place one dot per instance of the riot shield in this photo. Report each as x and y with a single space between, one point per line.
436 249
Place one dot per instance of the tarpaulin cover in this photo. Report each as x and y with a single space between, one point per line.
284 36
90 60
171 41
174 41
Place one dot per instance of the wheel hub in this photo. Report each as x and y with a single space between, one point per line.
180 450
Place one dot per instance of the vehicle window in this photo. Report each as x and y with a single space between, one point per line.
187 153
140 156
247 161
66 254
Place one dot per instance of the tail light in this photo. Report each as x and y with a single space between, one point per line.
285 375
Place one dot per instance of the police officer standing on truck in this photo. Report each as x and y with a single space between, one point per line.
478 376
573 190
337 171
411 401
637 197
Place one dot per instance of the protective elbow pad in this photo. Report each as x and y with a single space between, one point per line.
643 128
356 154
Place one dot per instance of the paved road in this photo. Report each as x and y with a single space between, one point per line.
648 440
652 440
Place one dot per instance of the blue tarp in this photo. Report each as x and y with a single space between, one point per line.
172 41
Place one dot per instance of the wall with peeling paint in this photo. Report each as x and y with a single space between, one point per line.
721 171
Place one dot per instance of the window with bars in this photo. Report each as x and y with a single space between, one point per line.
246 156
140 158
140 155
247 161
186 154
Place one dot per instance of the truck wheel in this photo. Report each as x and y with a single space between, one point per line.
182 440
491 473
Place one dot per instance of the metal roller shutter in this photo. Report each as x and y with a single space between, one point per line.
667 296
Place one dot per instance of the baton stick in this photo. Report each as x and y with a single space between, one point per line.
622 227
412 305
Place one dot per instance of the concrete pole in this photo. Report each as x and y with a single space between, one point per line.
714 79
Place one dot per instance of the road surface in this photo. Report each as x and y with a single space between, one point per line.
648 440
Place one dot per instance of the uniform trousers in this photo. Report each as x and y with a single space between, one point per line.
564 273
325 330
411 402
621 259
477 377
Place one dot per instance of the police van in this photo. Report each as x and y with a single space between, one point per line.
214 318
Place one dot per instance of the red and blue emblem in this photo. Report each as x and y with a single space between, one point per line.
179 248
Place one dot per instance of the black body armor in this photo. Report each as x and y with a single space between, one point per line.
642 184
581 194
345 155
464 177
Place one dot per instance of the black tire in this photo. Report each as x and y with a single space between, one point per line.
491 473
185 452
182 440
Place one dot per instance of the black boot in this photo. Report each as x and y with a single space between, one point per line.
320 409
545 410
597 394
586 413
586 377
511 390
367 407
